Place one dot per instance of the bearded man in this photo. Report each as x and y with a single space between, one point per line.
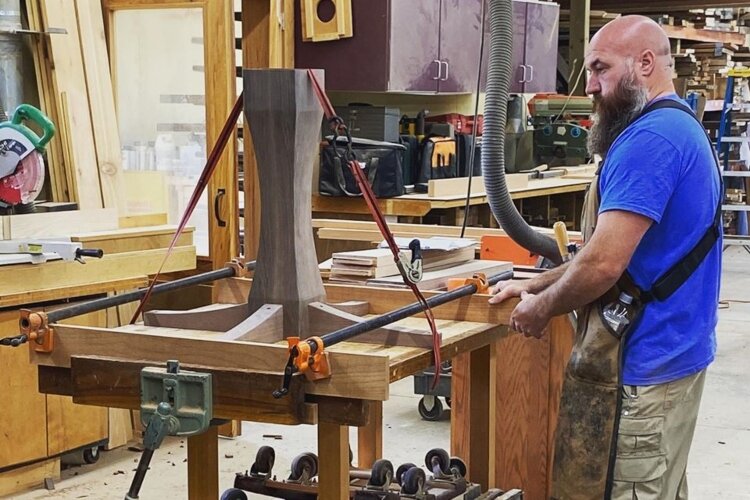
632 389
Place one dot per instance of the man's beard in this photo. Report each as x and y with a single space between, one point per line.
615 112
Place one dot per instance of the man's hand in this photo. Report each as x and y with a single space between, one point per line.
504 290
530 316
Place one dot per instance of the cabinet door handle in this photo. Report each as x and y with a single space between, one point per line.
439 68
221 192
531 73
446 71
523 77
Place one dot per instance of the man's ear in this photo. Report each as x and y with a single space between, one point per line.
646 62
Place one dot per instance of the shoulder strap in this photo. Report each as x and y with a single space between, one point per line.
677 275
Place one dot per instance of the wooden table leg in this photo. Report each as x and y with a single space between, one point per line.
370 437
333 453
203 465
473 408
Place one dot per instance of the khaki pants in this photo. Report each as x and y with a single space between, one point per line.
656 428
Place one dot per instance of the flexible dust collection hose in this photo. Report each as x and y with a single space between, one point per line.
493 139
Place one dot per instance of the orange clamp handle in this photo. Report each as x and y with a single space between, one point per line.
314 365
478 279
34 325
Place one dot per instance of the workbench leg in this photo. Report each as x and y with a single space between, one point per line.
472 414
203 465
333 453
370 437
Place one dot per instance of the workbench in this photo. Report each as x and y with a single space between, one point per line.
101 367
538 198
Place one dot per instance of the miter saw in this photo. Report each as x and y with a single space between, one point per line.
21 163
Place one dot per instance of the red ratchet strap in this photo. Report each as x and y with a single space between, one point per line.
338 126
208 170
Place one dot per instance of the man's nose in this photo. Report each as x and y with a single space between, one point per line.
592 85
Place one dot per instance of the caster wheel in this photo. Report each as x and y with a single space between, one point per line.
437 460
414 480
382 473
264 461
234 494
432 414
91 455
304 464
457 466
402 470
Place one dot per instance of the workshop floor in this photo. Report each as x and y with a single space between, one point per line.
718 460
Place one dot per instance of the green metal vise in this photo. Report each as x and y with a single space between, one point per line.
188 396
173 403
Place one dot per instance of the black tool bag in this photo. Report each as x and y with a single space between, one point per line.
438 159
411 158
464 142
382 162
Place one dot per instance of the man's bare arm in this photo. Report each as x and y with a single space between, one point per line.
513 288
599 264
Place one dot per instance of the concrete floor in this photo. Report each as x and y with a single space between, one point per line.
718 461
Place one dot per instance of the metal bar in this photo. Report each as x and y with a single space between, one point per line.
349 332
107 302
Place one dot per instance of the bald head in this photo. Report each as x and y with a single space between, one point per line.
630 45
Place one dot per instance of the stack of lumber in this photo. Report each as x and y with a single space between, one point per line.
75 91
362 265
437 279
704 65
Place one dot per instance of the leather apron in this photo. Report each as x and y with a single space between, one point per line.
586 440
590 404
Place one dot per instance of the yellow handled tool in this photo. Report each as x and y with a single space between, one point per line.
561 236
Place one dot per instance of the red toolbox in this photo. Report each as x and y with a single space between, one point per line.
461 123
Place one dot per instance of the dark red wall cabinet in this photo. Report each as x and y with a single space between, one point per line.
430 46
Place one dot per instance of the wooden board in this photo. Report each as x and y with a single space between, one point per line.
74 116
47 104
333 444
18 390
134 239
368 369
29 476
141 220
101 102
120 425
26 279
436 280
256 26
437 188
70 425
213 317
237 393
221 93
70 291
325 319
58 224
203 464
284 117
412 229
474 308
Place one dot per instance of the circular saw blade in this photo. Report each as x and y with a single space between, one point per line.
25 183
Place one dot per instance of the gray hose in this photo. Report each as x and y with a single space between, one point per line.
493 139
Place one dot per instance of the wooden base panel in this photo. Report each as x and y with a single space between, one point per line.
27 477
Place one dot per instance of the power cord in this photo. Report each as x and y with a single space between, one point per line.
467 206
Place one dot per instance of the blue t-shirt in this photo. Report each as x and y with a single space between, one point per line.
661 166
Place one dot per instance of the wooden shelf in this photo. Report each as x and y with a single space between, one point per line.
701 35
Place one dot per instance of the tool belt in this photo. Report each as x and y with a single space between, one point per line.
590 404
